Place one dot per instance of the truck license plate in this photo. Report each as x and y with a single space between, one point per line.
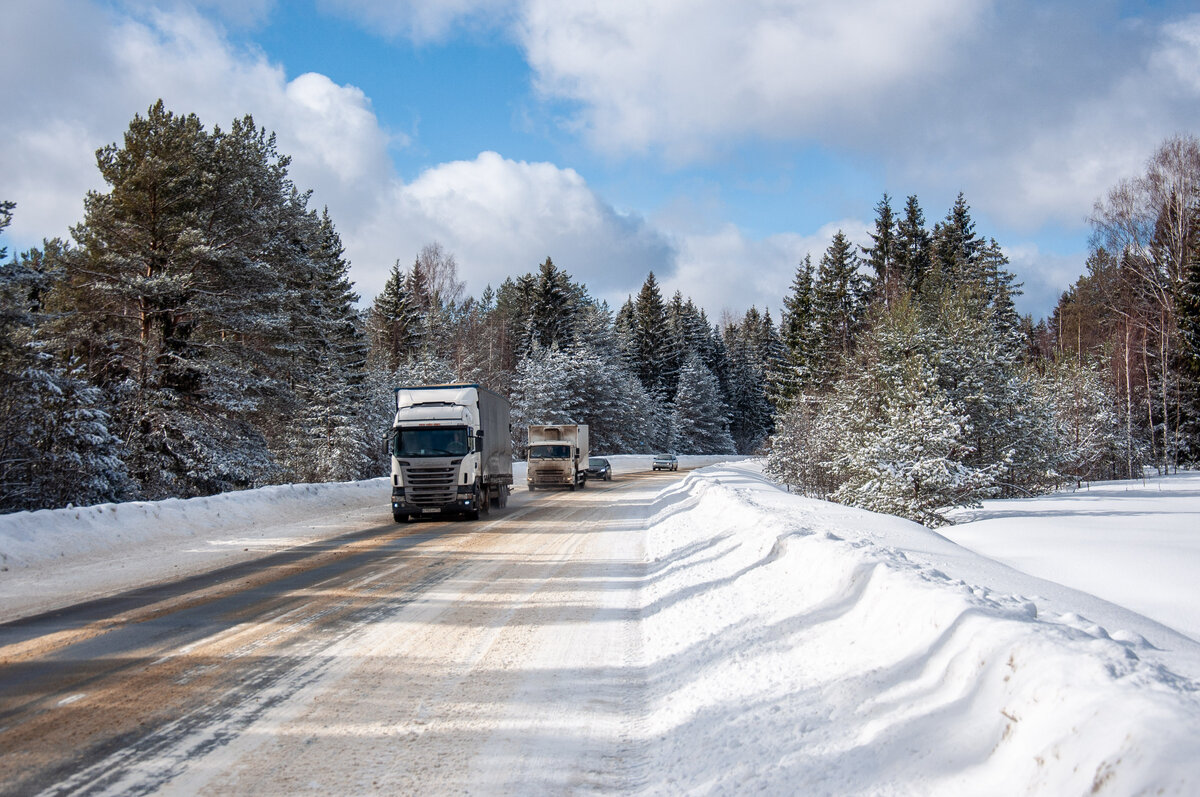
430 510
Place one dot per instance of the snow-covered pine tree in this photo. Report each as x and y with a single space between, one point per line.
1087 432
699 419
582 385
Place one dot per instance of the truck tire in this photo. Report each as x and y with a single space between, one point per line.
399 517
485 500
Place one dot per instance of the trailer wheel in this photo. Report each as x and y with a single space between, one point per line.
502 499
485 502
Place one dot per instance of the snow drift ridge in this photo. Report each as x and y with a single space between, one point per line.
795 655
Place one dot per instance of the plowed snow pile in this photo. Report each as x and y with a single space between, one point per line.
795 646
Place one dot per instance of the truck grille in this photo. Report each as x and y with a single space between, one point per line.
431 486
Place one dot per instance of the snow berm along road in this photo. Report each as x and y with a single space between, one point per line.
709 633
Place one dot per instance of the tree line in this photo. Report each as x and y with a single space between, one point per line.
912 385
198 332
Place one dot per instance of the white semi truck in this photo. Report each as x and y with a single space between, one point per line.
451 451
558 456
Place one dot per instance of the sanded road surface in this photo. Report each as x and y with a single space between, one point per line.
495 656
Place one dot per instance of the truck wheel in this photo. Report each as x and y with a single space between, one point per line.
502 499
485 503
399 517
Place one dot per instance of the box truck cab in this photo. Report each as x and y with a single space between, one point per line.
451 451
558 456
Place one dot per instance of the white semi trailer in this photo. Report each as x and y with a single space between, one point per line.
558 456
451 451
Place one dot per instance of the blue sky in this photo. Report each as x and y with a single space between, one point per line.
714 142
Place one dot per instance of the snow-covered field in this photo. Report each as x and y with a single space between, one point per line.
1134 543
799 647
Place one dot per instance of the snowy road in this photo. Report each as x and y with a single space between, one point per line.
496 656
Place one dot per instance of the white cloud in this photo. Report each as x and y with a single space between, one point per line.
499 217
1045 277
724 271
1032 108
686 77
91 72
502 218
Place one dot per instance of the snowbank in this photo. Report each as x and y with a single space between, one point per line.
793 646
55 557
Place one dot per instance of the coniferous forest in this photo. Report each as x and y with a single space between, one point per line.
198 332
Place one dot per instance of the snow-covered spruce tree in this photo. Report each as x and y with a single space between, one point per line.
750 410
881 256
904 443
556 304
798 334
581 385
699 419
955 249
329 439
644 339
913 246
978 364
55 446
838 307
906 455
392 321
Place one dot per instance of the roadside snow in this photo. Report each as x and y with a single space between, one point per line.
795 646
1134 543
58 557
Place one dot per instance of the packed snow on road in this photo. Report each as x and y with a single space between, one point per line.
795 646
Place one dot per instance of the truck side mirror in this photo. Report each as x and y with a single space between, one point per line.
479 434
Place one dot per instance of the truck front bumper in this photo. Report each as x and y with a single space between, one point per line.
465 500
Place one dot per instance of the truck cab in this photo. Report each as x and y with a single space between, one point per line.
557 456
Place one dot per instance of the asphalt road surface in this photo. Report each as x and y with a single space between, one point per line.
495 656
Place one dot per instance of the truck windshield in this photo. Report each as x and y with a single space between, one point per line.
430 442
549 452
